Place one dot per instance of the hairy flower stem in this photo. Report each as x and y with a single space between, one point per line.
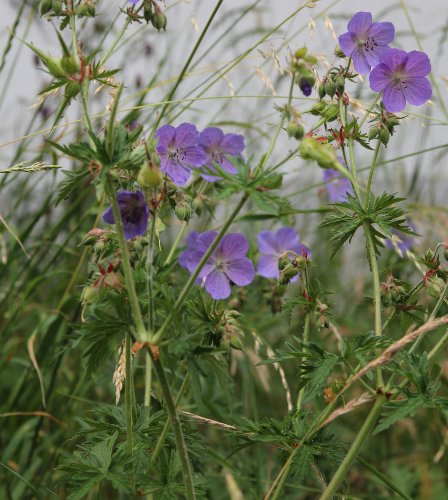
189 285
151 312
376 293
184 69
353 167
167 426
128 394
140 330
306 333
354 449
177 429
372 171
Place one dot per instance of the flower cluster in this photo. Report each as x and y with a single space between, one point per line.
399 75
228 263
183 148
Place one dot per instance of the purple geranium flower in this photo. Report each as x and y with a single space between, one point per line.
134 213
275 245
365 41
336 185
305 86
401 76
216 145
227 263
179 151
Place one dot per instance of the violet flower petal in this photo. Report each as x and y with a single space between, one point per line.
241 271
217 285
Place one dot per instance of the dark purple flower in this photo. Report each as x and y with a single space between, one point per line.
305 86
216 145
365 41
179 151
275 245
227 263
401 76
401 242
337 186
134 213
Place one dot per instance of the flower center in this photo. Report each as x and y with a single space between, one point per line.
176 154
400 81
221 265
368 44
216 155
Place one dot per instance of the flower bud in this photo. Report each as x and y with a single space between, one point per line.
295 130
332 112
54 66
338 52
283 262
384 136
159 20
330 87
44 7
300 53
91 9
83 10
310 59
373 132
183 209
340 84
149 175
57 7
198 204
147 11
436 287
318 108
445 253
89 295
323 154
321 91
288 273
71 89
69 65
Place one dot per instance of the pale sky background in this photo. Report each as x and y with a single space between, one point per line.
20 80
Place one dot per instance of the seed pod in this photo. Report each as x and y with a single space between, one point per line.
147 11
83 10
198 204
295 130
159 20
340 83
44 7
384 136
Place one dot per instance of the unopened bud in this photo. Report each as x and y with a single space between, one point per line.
384 136
57 7
373 132
321 91
283 262
338 52
318 108
198 204
54 66
288 273
295 130
89 295
147 11
83 10
332 112
183 211
159 20
340 83
330 87
44 7
310 59
69 65
299 53
149 175
323 154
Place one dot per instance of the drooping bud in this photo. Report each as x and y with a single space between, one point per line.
338 52
295 130
332 112
373 132
288 273
318 108
83 10
184 209
54 66
321 91
323 154
384 135
89 295
198 204
330 87
340 84
149 175
300 53
57 7
159 20
44 7
147 11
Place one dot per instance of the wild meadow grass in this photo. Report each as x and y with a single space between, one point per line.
223 252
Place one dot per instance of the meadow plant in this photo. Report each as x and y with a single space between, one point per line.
200 347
